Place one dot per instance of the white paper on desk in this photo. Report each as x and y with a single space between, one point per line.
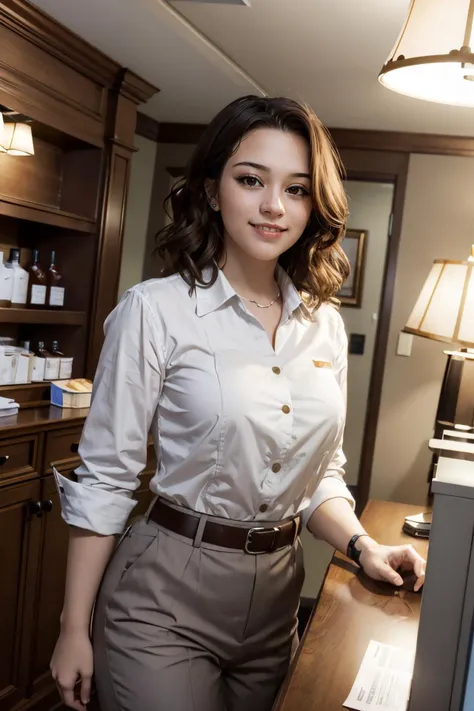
384 679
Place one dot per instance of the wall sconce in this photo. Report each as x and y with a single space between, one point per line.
17 139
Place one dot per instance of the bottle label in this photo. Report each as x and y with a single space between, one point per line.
37 374
56 296
6 284
20 286
38 294
65 368
51 368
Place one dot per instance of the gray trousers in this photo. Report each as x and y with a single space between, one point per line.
187 626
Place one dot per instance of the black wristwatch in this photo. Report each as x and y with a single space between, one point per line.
352 552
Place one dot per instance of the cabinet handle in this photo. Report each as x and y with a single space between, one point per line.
36 508
4 459
75 447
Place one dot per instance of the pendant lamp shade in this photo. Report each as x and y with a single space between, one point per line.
433 58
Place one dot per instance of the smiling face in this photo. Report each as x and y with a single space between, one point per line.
264 194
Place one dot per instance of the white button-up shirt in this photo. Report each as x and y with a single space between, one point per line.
242 430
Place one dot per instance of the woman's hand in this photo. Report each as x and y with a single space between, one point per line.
73 660
382 562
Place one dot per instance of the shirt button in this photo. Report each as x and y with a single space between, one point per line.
276 370
286 409
263 508
276 468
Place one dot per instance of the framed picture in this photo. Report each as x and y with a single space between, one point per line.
354 245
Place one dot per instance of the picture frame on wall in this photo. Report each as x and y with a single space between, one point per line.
354 245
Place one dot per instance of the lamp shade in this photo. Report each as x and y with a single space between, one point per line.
433 57
17 139
444 310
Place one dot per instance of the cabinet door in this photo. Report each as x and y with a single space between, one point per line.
51 581
19 537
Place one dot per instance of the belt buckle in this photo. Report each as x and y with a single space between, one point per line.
259 529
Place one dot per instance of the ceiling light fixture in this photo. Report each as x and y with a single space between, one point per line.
17 140
433 58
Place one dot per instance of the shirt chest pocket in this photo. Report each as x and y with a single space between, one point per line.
317 392
252 389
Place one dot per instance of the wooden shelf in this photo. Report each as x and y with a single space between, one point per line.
44 214
64 318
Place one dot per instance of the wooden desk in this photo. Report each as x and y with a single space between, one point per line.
352 609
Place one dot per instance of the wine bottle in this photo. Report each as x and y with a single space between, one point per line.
37 284
56 292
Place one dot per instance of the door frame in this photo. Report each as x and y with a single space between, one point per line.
381 167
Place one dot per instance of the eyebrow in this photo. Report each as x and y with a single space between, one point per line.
259 166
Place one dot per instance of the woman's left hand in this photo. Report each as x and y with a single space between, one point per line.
382 562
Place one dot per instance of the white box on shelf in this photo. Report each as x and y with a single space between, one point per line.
64 396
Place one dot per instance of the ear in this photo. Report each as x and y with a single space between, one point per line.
210 186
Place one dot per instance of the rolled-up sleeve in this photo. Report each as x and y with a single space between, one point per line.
332 484
113 447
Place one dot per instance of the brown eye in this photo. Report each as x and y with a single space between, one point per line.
250 181
298 190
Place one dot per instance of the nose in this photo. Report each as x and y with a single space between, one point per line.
272 204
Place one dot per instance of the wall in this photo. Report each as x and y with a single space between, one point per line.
137 215
438 222
169 155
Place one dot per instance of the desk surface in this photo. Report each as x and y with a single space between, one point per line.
352 609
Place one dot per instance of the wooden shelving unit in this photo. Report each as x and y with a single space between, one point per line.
44 214
42 316
69 197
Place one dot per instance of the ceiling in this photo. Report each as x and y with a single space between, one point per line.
203 55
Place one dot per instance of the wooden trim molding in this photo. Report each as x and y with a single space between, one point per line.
403 142
43 31
393 141
147 127
389 167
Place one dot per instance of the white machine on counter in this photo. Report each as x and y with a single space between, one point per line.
443 678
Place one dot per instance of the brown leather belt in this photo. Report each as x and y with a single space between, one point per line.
253 540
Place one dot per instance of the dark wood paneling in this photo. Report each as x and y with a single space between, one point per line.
180 132
391 141
36 179
64 318
61 449
49 597
401 142
147 127
18 457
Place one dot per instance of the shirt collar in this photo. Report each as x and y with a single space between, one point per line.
211 298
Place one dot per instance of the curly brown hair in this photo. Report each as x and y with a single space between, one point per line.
194 240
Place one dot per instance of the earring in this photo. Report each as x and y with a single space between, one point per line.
213 204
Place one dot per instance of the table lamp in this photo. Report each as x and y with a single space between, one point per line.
444 311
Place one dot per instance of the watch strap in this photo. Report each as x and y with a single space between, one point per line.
352 552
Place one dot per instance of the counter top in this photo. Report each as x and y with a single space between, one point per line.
352 610
45 417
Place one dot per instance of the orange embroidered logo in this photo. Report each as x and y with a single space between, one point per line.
322 364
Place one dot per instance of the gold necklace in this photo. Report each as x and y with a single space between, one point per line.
262 306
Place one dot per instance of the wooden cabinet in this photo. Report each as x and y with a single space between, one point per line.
33 552
50 585
19 532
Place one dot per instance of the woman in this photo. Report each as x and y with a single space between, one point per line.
235 361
